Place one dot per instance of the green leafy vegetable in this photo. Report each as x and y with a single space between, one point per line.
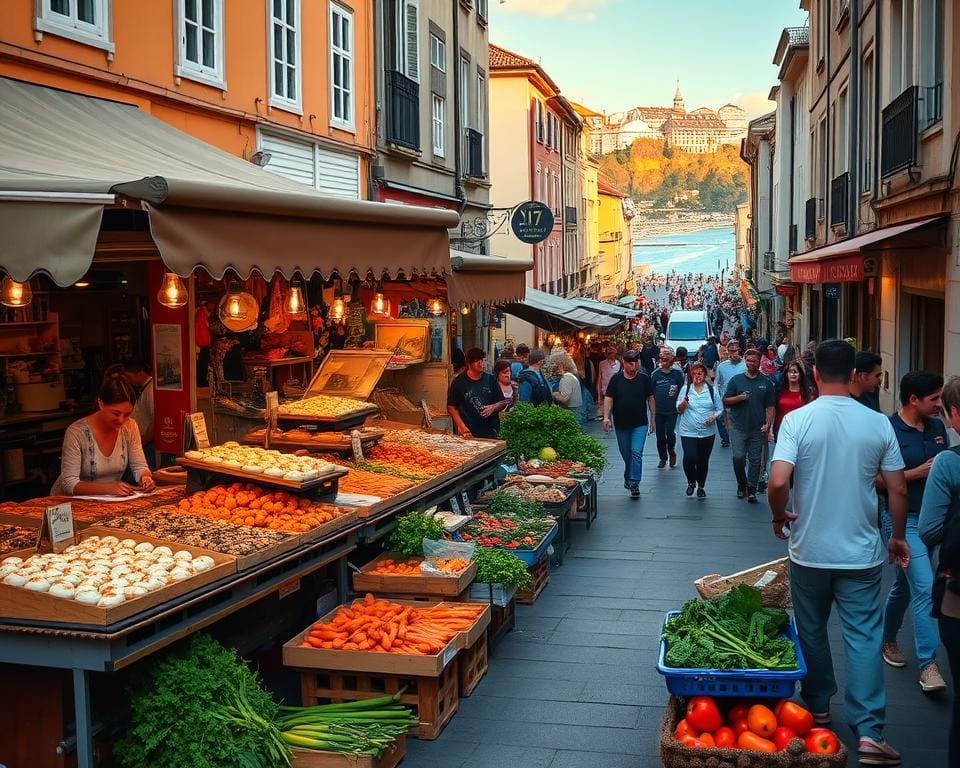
412 528
529 428
498 567
733 631
501 503
200 706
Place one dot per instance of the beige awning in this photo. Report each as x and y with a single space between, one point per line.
479 279
206 207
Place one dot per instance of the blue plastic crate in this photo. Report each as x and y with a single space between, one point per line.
531 556
732 682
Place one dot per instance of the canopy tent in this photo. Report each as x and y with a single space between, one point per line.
628 300
557 314
64 157
605 308
479 279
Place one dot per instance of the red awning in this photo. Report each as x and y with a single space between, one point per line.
843 262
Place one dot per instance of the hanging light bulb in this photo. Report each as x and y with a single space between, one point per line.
380 305
172 293
14 294
465 311
235 305
295 303
436 306
338 310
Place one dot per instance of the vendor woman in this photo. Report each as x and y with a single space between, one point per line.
102 454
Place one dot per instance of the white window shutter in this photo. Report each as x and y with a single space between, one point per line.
338 174
412 39
292 159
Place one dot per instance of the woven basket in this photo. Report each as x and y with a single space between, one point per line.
673 754
776 594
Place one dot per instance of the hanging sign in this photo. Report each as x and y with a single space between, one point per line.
532 222
56 528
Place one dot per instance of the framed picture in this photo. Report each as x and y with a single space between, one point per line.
167 363
408 338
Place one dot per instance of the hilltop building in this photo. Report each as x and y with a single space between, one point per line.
702 130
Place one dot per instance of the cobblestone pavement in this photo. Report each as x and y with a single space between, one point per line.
575 685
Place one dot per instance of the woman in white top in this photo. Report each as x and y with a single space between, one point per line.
699 406
568 392
102 454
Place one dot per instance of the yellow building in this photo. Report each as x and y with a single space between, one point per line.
590 230
614 270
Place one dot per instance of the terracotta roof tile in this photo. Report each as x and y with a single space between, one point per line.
606 188
501 57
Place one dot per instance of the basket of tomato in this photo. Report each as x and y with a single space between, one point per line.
745 733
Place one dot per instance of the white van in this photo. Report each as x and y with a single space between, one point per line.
687 328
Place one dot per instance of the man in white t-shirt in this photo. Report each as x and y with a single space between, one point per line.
834 448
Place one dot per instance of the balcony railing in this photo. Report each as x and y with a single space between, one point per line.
475 154
900 129
403 110
932 99
810 228
570 216
793 238
839 199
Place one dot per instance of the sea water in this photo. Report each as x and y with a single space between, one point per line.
709 251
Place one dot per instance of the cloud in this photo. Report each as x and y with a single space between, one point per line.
573 10
754 103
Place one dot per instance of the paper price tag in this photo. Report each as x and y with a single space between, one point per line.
448 653
357 445
455 506
273 406
466 505
288 587
199 426
56 528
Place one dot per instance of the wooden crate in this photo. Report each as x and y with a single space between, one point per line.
434 699
20 603
472 665
309 758
438 586
540 573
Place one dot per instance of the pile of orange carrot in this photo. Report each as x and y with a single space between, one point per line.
384 627
390 567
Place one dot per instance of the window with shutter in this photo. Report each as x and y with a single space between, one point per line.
341 67
329 172
411 37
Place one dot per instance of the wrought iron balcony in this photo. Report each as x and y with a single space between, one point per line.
403 110
570 216
475 154
839 199
810 228
899 133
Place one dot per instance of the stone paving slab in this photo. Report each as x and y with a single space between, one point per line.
576 686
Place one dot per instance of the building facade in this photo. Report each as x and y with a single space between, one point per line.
288 86
614 271
876 242
590 204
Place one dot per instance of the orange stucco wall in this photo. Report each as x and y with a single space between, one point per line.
142 71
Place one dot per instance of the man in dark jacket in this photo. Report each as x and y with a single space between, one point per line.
533 387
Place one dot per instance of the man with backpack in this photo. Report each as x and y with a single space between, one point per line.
939 524
667 381
533 387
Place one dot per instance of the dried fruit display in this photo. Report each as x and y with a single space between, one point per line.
323 406
250 505
410 460
215 535
286 466
14 537
448 446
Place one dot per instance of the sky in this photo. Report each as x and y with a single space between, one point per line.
611 55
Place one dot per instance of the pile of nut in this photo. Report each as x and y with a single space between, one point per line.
14 537
216 535
322 406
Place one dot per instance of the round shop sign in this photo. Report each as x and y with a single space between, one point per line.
532 222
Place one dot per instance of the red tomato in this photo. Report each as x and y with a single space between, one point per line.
707 740
684 729
791 715
691 741
782 737
702 714
777 709
749 740
822 741
761 720
725 737
737 712
740 726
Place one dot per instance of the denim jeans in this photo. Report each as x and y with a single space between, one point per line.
722 429
666 427
747 455
631 442
912 588
857 597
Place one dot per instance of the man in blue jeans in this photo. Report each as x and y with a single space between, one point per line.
921 436
626 399
836 554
